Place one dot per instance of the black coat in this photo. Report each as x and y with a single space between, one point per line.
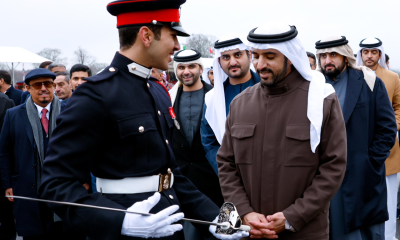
192 159
99 133
371 133
5 103
15 95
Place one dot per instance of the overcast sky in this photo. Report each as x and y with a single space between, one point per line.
67 24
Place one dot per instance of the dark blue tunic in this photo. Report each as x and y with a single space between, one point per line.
208 139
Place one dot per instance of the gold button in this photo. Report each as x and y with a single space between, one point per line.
141 129
159 113
133 68
148 85
111 69
167 141
170 196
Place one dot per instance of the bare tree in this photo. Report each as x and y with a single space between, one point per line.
53 54
83 57
96 67
201 43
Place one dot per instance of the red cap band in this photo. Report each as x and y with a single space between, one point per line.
164 15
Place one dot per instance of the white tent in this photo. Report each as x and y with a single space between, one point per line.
19 55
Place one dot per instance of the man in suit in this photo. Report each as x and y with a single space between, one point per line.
125 116
7 88
372 55
7 224
29 127
359 209
187 99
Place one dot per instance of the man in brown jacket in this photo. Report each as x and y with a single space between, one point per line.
283 155
372 55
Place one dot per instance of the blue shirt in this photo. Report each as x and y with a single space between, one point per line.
208 139
340 86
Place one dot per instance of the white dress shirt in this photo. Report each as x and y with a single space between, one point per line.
39 108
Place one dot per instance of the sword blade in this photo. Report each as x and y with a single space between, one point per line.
108 209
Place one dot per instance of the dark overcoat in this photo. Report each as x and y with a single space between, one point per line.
192 159
371 133
99 133
15 95
18 165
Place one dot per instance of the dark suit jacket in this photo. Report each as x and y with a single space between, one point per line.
15 95
18 163
5 103
192 159
371 133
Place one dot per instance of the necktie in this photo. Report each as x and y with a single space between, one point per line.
45 121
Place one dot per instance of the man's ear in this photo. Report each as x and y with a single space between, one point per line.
201 70
146 36
1 81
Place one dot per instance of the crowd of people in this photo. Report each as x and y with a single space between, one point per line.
304 145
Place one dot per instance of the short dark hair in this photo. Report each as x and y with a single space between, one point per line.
127 35
45 64
312 55
6 76
53 65
80 68
386 58
65 74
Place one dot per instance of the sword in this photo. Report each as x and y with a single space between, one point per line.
224 225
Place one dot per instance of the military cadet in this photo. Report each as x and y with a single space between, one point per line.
118 125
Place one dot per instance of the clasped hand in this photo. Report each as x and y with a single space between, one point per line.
265 227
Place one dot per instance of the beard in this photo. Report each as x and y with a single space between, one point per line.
239 73
276 75
335 72
195 78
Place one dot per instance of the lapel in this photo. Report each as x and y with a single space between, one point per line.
207 87
27 124
354 86
9 91
176 110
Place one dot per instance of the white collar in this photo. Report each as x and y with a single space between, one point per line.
139 70
39 108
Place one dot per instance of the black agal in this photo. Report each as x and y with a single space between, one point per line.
189 58
377 43
333 43
218 44
272 38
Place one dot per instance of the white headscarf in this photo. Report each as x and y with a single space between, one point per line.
215 98
205 75
346 51
174 90
372 40
295 52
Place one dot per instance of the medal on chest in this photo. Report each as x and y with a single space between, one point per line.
173 116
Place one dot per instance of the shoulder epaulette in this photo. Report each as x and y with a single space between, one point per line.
107 73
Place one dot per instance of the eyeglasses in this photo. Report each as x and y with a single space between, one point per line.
38 85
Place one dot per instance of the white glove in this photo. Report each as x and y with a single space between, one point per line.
235 236
154 226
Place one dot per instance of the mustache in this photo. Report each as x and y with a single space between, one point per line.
265 70
329 65
236 66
